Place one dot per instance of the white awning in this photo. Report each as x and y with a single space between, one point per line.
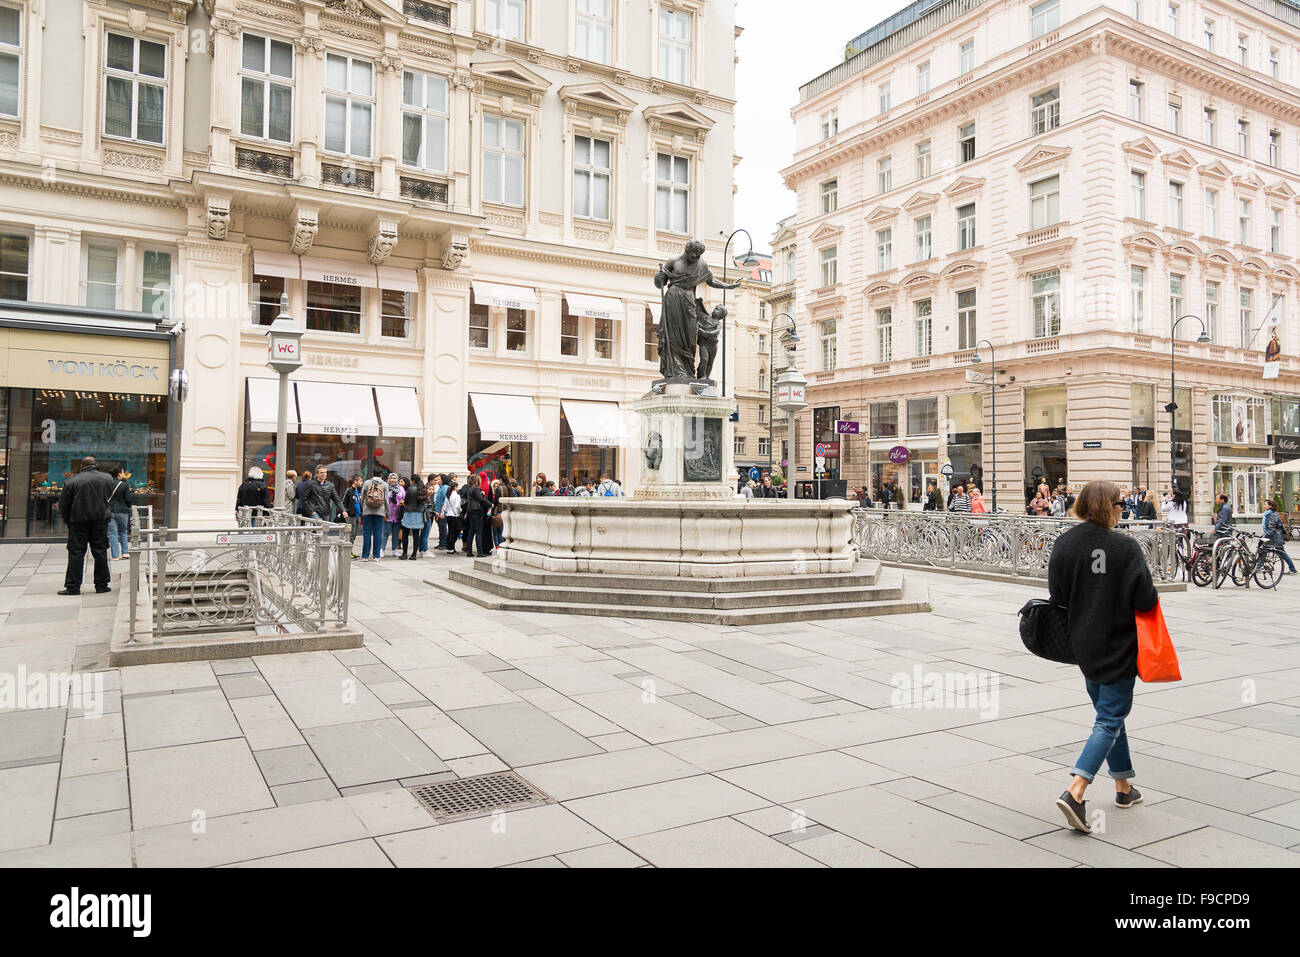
598 307
317 269
403 280
337 408
283 265
509 297
263 406
506 418
399 412
655 309
596 423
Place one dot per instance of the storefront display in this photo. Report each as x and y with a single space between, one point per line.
500 431
1045 438
590 434
824 435
1285 439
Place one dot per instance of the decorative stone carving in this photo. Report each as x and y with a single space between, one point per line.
454 252
218 217
136 161
382 240
305 225
389 63
354 9
314 46
654 451
227 25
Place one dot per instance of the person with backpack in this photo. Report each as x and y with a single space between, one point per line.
608 487
412 517
374 512
451 511
886 496
1100 577
252 493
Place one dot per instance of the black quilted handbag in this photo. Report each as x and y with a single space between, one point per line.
1045 630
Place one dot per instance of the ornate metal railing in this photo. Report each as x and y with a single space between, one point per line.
1019 545
271 572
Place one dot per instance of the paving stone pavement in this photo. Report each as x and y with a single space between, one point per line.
797 745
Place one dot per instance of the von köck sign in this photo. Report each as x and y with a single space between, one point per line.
119 372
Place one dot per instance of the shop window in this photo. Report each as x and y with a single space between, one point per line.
1238 419
267 291
480 324
102 286
516 330
156 282
571 332
651 337
14 257
603 340
135 72
884 420
333 307
11 48
923 416
396 314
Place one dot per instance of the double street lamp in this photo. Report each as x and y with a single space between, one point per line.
792 400
993 382
1172 407
750 260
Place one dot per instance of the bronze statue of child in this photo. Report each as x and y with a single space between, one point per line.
706 336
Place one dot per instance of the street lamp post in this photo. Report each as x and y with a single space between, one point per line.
284 355
749 260
791 389
1172 407
791 337
993 412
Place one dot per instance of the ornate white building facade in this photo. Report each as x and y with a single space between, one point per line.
465 203
1064 179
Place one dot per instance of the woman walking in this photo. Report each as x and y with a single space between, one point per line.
1099 575
417 498
119 513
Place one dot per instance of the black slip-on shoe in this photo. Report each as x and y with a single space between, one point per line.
70 591
1134 796
102 591
1076 812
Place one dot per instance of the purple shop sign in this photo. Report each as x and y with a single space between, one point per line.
846 427
899 454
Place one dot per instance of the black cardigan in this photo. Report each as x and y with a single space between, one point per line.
1101 576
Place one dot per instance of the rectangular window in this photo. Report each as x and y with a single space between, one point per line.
156 282
1137 278
595 27
135 72
591 173
14 253
424 121
1208 36
1210 126
885 174
333 307
1274 147
923 247
923 416
830 123
266 88
503 160
1212 212
966 143
1274 63
1044 17
828 345
1247 317
966 226
267 291
830 196
675 46
1176 115
103 283
923 78
480 324
762 336
1243 138
1243 49
602 338
764 443
886 97
884 249
967 330
924 327
1045 114
1175 205
884 420
1135 10
1045 302
505 19
1138 194
516 330
884 334
1275 230
1245 228
651 338
396 314
1212 310
923 159
349 104
1172 14
738 445
672 194
1175 297
1045 202
571 333
828 262
1135 100
11 49
966 57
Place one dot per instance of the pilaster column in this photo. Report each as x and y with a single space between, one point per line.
444 316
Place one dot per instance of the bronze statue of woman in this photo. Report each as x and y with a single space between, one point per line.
679 318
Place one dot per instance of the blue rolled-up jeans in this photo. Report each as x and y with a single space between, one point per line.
373 532
119 533
424 534
1108 741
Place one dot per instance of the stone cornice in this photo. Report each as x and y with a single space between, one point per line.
94 187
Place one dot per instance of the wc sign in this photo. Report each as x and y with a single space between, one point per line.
284 348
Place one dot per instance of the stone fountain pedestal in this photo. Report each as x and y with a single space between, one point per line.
687 449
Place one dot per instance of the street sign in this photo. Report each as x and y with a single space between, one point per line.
801 468
832 449
246 538
979 378
845 427
754 473
946 471
821 463
819 450
1092 445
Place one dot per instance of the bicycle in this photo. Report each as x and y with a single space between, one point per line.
1240 563
1194 553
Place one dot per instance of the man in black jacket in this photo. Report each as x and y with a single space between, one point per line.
253 493
476 508
84 505
319 497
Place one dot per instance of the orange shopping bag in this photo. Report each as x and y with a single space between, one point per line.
1157 660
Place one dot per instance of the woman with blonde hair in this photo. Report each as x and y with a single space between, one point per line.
1101 578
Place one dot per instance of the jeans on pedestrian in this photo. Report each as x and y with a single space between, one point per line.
1286 559
372 536
442 533
1108 741
473 533
395 533
119 533
498 534
424 535
453 532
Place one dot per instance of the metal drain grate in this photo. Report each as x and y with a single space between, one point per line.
478 796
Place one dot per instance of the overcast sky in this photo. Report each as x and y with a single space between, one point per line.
785 44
